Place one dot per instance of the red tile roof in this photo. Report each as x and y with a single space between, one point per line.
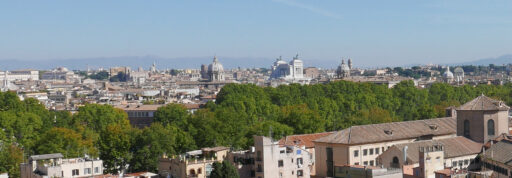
303 140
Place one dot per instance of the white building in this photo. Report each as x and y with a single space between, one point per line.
61 73
52 165
216 70
20 75
289 71
276 160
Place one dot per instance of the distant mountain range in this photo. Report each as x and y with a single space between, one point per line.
505 59
192 62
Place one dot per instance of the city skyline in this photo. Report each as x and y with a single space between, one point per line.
376 34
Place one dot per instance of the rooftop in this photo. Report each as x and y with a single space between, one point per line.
453 147
46 156
303 140
500 152
484 103
375 133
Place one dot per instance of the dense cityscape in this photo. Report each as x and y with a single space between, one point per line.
263 122
255 89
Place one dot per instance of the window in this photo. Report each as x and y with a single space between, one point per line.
372 163
282 151
192 172
356 163
461 163
365 163
299 173
299 152
356 153
75 172
199 171
280 163
454 163
466 128
377 150
466 162
299 161
330 163
87 171
371 151
395 163
490 127
365 152
96 170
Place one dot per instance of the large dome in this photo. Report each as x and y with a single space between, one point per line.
216 66
343 66
458 70
448 73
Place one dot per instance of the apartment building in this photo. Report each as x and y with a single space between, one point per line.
53 165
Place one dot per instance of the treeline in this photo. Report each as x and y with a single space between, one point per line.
239 112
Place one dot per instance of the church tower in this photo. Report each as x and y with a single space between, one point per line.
482 119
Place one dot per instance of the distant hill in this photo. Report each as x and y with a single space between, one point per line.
505 59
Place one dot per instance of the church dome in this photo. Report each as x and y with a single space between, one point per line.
216 66
448 73
343 66
458 70
279 61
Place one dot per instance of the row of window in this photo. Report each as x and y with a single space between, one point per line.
87 171
370 151
299 174
280 163
368 163
462 162
138 114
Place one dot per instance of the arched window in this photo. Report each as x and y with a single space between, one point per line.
466 128
192 172
395 163
490 127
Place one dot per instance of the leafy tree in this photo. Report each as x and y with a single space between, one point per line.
97 117
302 119
224 170
65 141
11 156
175 114
154 141
114 146
102 75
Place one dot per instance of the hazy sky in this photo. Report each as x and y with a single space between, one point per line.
376 32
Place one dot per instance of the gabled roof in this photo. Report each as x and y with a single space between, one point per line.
484 103
500 152
392 131
303 140
453 147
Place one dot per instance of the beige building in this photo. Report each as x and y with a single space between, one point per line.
358 171
196 163
361 145
458 153
52 165
115 70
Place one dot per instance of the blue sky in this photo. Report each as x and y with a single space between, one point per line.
370 32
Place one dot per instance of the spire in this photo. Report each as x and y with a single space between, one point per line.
215 59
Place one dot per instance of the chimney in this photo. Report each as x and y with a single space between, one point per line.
405 155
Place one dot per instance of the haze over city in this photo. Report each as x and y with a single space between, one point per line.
254 33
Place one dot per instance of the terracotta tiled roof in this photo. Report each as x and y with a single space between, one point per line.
375 133
498 139
484 103
303 140
453 147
